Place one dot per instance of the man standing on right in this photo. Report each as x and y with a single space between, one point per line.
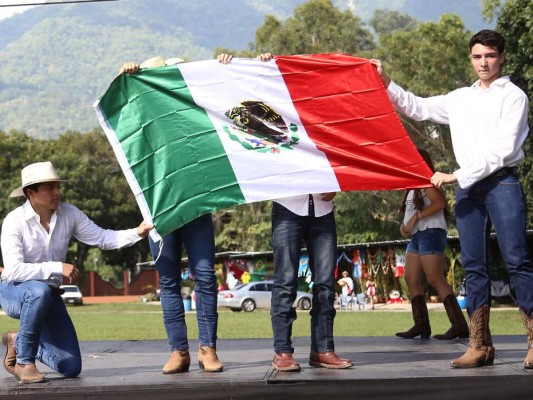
488 124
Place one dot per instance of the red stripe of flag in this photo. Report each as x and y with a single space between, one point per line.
345 110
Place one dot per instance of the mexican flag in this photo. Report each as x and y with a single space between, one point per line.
202 136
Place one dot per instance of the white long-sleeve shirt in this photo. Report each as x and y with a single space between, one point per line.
300 205
31 253
488 127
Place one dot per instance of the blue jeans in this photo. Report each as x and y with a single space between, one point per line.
496 200
427 242
198 238
320 235
46 332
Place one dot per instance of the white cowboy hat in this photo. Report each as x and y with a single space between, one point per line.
159 62
174 61
36 173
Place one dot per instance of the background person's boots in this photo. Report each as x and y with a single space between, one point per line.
480 350
528 323
208 359
179 361
459 326
421 318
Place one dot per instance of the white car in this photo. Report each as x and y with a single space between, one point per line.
72 295
249 296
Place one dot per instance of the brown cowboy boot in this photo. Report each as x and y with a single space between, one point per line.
179 361
10 360
28 373
528 323
459 326
208 360
421 318
480 350
328 359
284 362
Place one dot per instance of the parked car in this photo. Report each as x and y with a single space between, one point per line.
72 295
249 296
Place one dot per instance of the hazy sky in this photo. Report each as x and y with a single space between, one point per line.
6 12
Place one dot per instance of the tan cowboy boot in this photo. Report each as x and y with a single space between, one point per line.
459 326
179 361
208 360
28 373
480 351
528 323
419 309
10 360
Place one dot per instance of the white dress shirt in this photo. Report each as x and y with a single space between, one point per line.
32 253
300 205
436 220
488 127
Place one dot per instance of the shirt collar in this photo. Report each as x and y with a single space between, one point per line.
30 213
501 81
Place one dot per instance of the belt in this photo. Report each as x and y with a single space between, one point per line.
506 171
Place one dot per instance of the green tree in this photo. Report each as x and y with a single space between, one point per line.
317 26
386 21
363 217
244 228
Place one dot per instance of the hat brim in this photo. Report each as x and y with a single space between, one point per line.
18 192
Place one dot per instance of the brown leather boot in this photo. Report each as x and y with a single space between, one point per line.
208 360
28 373
421 318
179 361
459 326
480 350
528 323
285 362
328 359
10 360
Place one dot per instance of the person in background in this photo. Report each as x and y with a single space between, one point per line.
371 290
197 236
346 284
424 221
488 124
34 240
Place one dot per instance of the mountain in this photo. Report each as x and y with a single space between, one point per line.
58 59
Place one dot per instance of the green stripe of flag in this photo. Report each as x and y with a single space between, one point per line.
171 147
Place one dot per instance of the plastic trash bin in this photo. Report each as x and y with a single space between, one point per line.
187 304
462 302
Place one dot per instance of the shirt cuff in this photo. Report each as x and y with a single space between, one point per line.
130 237
53 268
463 179
392 89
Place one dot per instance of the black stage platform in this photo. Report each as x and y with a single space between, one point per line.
384 368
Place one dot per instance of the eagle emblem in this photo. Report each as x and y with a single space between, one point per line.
260 127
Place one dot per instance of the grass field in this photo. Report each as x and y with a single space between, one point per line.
144 321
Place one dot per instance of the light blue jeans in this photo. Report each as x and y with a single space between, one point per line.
46 332
198 238
496 200
320 236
